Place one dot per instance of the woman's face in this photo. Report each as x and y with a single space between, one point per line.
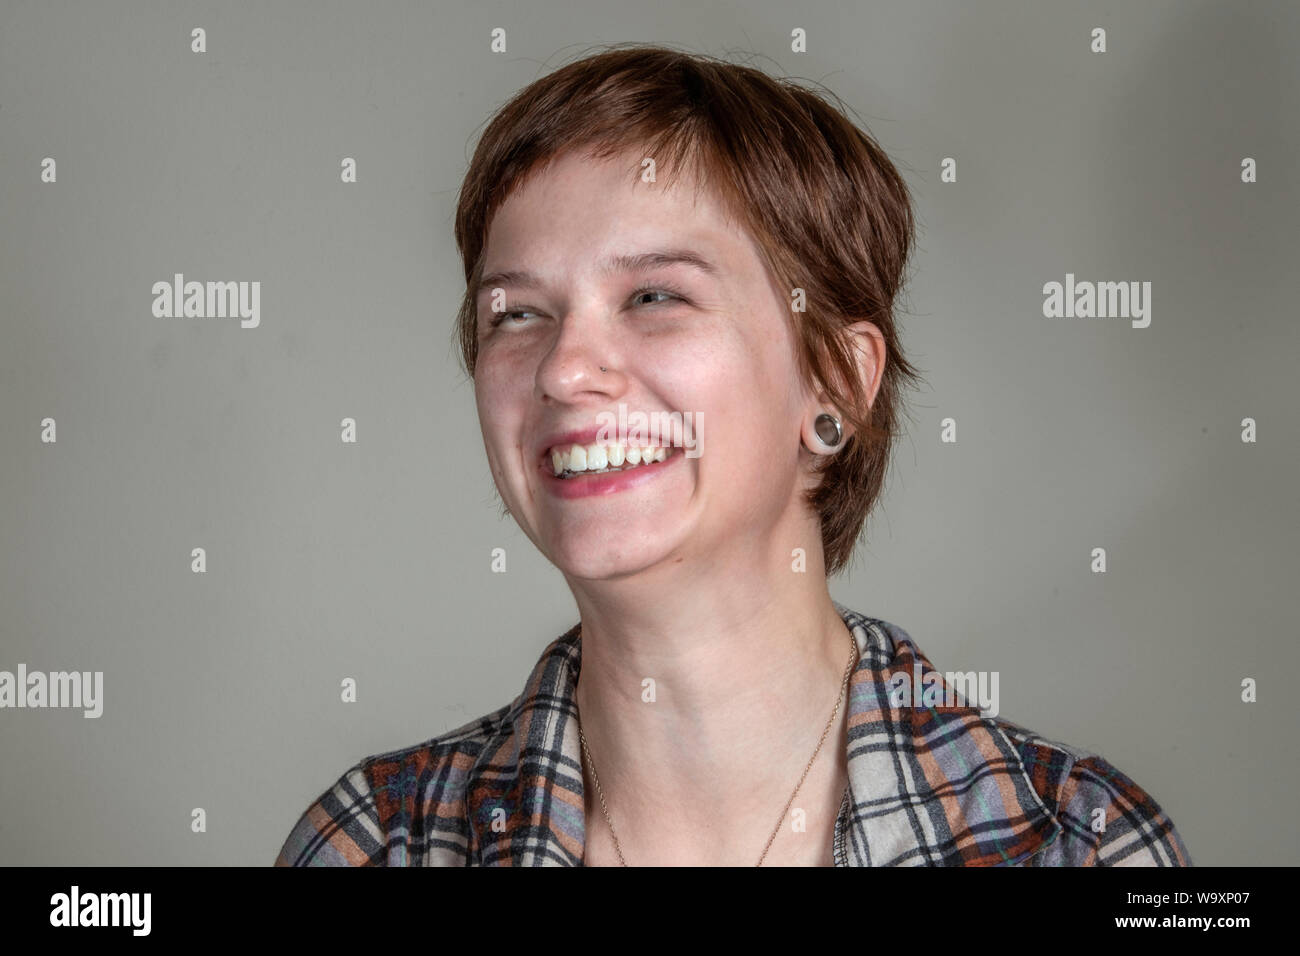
710 340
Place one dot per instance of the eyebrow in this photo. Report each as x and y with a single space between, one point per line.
638 262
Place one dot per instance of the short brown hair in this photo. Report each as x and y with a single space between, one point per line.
825 205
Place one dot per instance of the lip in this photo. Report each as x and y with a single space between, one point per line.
609 483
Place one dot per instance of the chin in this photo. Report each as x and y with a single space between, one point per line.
590 564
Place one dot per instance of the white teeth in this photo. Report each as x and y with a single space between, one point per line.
597 458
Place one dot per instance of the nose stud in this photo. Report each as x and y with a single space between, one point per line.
828 430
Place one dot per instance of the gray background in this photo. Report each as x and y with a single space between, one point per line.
328 560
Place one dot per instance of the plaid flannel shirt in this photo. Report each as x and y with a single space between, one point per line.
928 786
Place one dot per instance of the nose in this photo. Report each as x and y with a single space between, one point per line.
582 361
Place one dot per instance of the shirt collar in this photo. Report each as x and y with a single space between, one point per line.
927 785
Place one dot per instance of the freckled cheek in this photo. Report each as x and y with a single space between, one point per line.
503 399
500 385
745 414
501 441
505 373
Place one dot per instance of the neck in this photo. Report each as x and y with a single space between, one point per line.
703 694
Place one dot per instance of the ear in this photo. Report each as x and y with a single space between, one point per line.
867 346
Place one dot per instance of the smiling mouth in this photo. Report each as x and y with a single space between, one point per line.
575 461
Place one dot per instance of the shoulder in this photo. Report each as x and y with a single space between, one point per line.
1087 811
399 808
1106 819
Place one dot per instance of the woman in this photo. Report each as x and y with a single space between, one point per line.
659 239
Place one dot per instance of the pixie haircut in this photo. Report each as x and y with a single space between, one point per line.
824 204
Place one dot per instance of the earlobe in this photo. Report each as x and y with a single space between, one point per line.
825 435
828 430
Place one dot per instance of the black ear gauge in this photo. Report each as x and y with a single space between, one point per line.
828 430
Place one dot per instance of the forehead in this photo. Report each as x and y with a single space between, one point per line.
580 207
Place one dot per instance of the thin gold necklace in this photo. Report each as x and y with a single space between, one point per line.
779 820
